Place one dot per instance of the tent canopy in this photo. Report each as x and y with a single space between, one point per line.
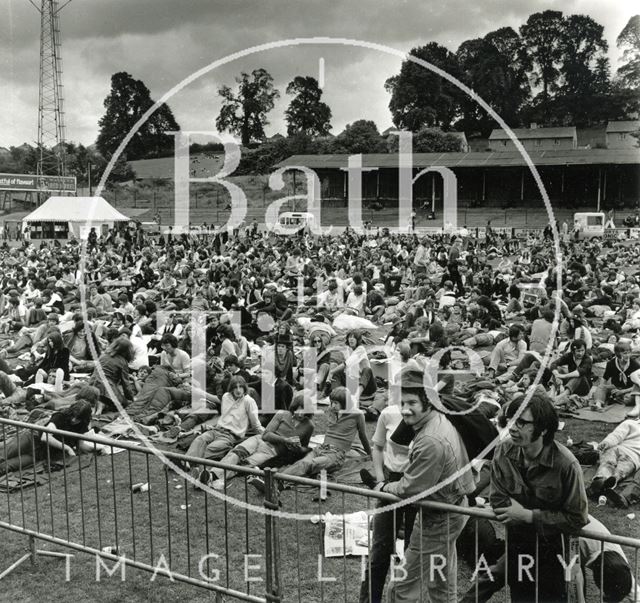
86 210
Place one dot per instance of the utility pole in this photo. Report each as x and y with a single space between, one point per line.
51 131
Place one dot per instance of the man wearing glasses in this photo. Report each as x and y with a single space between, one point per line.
537 491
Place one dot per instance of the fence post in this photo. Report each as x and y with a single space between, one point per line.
272 585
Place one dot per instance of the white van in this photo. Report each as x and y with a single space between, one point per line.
291 222
590 224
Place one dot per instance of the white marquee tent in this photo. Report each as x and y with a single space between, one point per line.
67 217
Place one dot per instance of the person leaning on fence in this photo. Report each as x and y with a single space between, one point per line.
438 456
28 447
537 491
606 561
238 415
390 459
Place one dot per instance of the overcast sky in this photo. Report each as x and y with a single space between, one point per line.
162 42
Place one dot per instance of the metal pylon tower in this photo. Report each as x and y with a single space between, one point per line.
51 134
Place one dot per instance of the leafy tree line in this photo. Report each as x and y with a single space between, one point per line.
362 136
553 71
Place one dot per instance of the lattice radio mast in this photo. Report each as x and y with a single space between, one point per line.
51 133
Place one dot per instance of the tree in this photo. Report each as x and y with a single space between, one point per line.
629 41
420 97
127 102
542 34
584 65
569 61
306 113
496 68
21 160
79 158
429 140
245 112
362 136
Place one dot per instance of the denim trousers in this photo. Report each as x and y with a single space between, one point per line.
383 547
431 562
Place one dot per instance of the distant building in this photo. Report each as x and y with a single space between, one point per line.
619 134
535 139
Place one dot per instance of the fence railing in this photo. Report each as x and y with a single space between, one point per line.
127 509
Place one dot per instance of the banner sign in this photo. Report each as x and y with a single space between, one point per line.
31 182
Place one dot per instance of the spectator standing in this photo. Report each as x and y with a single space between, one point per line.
537 491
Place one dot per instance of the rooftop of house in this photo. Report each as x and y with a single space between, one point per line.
623 126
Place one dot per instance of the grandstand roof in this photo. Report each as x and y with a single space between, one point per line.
528 133
471 160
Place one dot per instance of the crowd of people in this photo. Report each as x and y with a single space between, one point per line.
107 324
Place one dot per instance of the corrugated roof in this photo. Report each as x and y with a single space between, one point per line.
623 126
528 133
497 159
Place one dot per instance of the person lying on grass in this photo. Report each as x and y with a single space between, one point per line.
28 447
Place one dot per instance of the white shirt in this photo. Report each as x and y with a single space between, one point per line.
140 353
238 415
396 456
180 362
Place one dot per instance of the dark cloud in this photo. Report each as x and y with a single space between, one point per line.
163 41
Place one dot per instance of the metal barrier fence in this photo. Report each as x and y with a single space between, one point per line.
260 548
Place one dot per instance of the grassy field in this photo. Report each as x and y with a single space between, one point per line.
183 524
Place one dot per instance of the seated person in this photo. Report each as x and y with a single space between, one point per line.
507 354
173 357
287 435
617 383
342 428
79 340
356 367
577 378
238 416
